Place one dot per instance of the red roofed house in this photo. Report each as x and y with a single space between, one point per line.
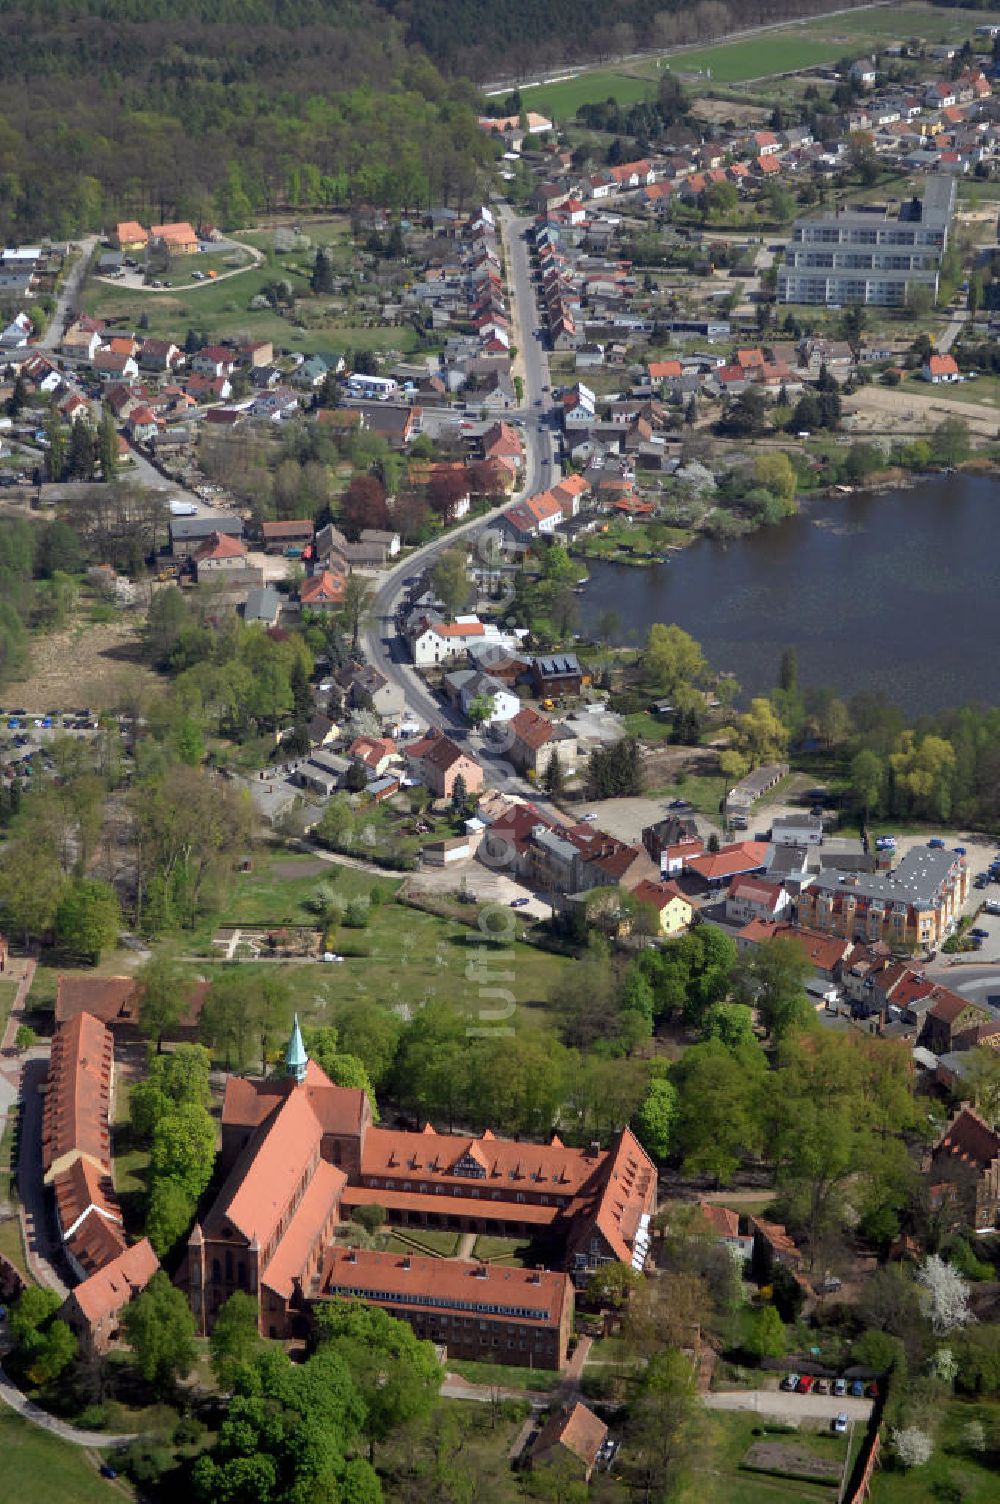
967 1158
142 424
528 519
673 911
940 368
117 1003
374 753
179 239
93 1310
664 370
323 592
130 236
737 860
219 554
571 1438
754 898
439 762
724 1224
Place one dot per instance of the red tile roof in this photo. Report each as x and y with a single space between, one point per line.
81 1187
220 546
658 894
728 861
78 1094
311 1217
408 1280
264 1180
578 1430
322 589
108 1291
721 1220
970 1137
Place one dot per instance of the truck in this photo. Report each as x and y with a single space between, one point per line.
180 508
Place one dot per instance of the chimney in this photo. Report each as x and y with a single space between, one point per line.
352 1255
405 1262
594 1149
482 1272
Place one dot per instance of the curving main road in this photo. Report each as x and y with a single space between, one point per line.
382 645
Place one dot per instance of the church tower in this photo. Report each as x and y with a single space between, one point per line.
296 1059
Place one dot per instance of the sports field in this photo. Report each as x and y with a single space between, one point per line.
809 44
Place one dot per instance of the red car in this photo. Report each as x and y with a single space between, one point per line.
805 1384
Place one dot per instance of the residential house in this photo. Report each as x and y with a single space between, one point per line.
130 236
159 355
556 674
466 686
724 1225
219 554
324 591
755 898
438 762
671 831
115 365
964 1167
179 239
375 754
213 361
535 516
673 910
940 369
797 830
533 740
142 424
433 641
572 1439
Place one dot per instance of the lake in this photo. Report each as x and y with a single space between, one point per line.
897 594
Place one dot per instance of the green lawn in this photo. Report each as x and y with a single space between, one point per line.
430 1240
984 391
733 1434
701 790
648 727
807 45
11 1243
38 1468
513 1251
953 1472
410 958
757 57
562 100
504 1375
8 992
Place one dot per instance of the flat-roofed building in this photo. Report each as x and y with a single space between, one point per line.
915 903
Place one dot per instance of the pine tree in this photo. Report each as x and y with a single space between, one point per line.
321 280
55 454
81 452
554 781
107 446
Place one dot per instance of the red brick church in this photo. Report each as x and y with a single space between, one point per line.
299 1154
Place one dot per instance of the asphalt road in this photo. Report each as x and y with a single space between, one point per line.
71 286
381 643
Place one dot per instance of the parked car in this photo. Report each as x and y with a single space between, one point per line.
935 843
840 1423
519 903
978 933
840 1387
805 1384
822 1386
857 1389
790 1381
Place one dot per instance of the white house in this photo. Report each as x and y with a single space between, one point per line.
755 898
468 685
939 369
797 830
442 642
15 336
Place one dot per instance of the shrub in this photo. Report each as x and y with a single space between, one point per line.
92 1418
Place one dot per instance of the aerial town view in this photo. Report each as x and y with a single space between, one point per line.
499 752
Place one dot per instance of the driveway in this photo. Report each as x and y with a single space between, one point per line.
66 301
481 884
12 1396
789 1407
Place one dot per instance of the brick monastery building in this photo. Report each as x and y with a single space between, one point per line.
299 1154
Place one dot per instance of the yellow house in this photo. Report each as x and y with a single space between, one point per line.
130 236
674 911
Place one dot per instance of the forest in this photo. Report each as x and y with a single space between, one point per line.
219 112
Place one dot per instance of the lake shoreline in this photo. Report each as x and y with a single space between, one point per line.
886 589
